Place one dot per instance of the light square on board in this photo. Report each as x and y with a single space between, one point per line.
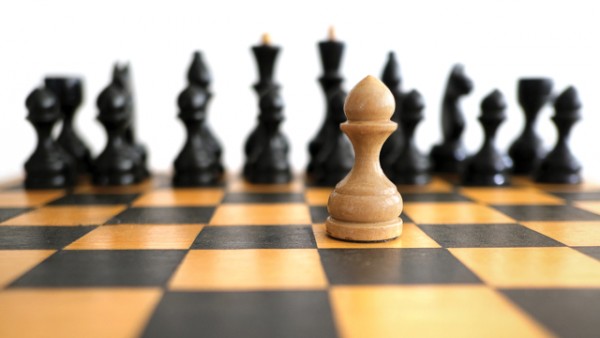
71 215
453 213
138 237
115 313
317 196
569 233
436 185
250 269
510 196
181 197
238 184
591 206
261 214
14 263
23 199
531 267
412 237
94 199
428 311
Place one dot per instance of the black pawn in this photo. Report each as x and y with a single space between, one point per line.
560 166
394 144
268 161
196 164
69 90
489 167
527 150
49 167
411 166
119 163
448 156
199 75
336 157
122 77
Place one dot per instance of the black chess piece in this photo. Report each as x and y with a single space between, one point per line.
527 150
335 159
122 77
49 167
199 75
488 167
268 161
394 144
265 56
331 52
69 90
119 163
560 166
197 163
448 156
411 166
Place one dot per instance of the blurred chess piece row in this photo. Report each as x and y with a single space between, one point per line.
61 162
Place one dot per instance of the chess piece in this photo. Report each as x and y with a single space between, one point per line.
199 75
334 160
365 206
119 163
560 166
197 163
331 52
448 156
265 55
122 78
488 167
411 166
394 144
68 90
268 162
49 167
527 150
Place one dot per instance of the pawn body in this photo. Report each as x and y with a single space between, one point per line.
267 161
411 167
49 167
488 167
560 166
365 206
197 163
120 163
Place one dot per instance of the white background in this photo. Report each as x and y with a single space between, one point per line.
497 41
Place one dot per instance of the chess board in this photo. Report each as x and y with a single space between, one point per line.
243 260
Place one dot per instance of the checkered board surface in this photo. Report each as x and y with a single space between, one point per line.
254 261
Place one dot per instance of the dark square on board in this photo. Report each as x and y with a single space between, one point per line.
566 312
255 237
242 314
7 213
100 268
579 195
434 197
95 199
40 237
164 215
546 213
394 266
593 251
486 236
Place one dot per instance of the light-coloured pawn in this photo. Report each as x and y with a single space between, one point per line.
365 206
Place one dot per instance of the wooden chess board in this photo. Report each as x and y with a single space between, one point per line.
254 261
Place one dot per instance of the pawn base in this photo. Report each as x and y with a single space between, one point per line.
364 232
447 157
